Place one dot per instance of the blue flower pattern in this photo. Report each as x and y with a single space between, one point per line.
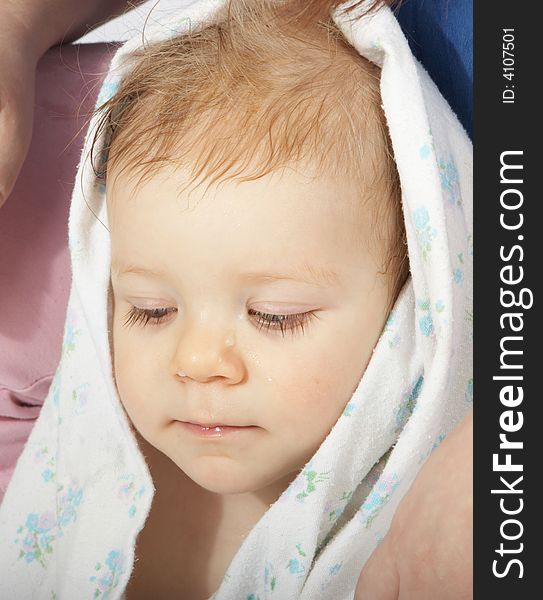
450 185
426 323
392 330
424 231
295 565
378 497
130 493
40 531
110 572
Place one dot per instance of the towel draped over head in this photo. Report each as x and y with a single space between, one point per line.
81 490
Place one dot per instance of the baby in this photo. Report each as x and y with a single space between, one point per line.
257 247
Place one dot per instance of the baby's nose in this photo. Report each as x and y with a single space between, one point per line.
205 355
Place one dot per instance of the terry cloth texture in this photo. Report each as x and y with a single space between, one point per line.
81 490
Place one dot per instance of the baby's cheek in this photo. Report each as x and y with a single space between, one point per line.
329 400
130 381
315 400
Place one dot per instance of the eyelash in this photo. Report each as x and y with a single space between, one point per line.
294 322
155 316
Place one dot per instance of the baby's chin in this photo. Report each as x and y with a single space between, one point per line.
216 473
225 475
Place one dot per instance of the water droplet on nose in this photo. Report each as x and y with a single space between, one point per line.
270 379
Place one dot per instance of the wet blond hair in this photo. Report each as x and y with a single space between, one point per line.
272 84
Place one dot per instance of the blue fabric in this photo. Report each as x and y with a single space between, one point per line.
440 33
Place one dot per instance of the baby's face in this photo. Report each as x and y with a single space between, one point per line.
265 295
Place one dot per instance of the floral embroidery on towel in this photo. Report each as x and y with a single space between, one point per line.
448 174
70 334
458 272
40 531
312 478
332 572
80 397
349 408
270 579
109 88
428 148
437 441
43 456
426 323
378 497
391 329
335 511
109 577
129 492
295 565
425 233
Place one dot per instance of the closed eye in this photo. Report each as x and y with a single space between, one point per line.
144 316
283 323
268 321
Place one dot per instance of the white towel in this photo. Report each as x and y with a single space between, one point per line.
81 490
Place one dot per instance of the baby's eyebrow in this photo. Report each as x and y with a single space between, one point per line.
312 275
318 276
122 269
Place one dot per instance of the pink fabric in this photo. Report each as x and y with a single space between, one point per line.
34 259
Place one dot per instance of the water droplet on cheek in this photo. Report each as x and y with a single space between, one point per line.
254 358
270 379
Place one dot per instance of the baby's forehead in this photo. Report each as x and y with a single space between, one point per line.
294 209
